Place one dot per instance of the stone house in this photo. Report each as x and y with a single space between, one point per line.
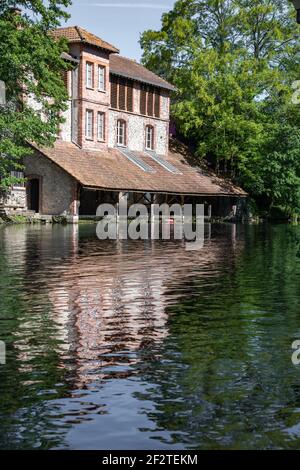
115 141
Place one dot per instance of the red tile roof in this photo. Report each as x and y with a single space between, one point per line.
76 34
131 69
118 65
111 170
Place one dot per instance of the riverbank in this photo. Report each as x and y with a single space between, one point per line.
62 220
32 219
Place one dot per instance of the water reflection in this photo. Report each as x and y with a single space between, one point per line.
146 345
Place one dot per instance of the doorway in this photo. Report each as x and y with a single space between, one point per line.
33 195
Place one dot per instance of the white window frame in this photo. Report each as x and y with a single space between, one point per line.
101 77
149 138
101 126
121 132
89 75
89 124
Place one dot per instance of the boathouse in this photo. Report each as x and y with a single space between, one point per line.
115 141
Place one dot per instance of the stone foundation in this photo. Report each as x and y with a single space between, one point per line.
15 201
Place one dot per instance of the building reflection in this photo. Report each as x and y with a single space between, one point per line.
113 299
108 301
87 311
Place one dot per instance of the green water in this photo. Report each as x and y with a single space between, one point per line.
144 345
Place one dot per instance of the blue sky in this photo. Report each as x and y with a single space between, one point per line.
119 22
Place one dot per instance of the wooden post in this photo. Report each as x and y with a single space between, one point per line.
153 200
182 207
74 209
121 196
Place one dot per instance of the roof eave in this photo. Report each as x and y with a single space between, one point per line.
129 189
168 87
69 58
112 49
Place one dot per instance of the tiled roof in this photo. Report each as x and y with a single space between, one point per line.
76 34
110 170
130 69
118 65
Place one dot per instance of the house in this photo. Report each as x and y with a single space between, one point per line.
115 141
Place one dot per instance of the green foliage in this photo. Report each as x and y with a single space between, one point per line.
31 66
233 63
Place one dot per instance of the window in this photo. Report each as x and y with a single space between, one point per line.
150 101
101 77
121 93
101 127
89 118
19 175
89 78
121 133
149 138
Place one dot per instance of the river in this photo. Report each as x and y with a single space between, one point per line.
145 345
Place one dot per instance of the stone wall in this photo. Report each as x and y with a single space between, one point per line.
15 200
136 131
57 188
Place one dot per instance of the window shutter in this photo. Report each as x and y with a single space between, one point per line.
129 96
143 100
157 104
122 91
114 92
150 102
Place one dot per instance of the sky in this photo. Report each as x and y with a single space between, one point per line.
119 22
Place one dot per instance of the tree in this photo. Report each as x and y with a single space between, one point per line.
31 67
233 63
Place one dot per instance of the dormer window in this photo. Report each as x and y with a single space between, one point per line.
121 133
149 138
101 77
89 76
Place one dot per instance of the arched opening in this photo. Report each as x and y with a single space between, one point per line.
33 194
